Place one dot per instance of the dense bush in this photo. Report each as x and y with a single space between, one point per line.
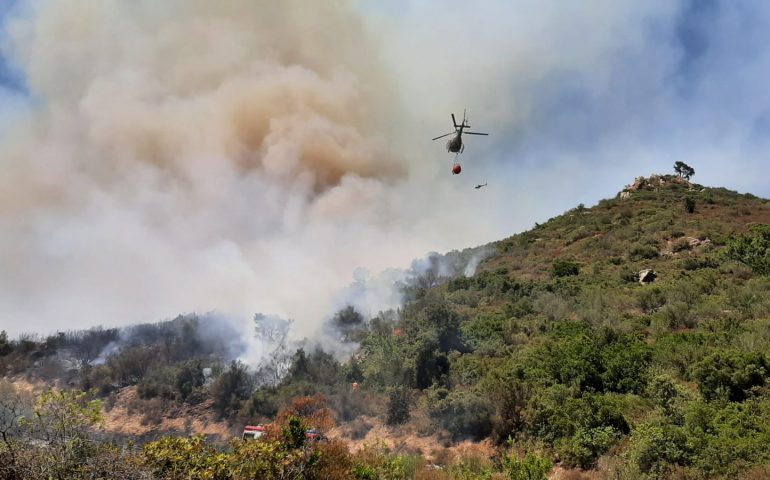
730 375
531 467
752 249
464 414
625 363
580 428
565 268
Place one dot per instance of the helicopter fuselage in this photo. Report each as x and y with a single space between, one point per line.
455 144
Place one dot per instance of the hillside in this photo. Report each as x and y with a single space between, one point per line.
552 353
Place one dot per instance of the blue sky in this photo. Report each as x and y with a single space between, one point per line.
13 95
11 78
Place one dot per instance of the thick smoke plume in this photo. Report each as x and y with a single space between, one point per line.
196 156
249 156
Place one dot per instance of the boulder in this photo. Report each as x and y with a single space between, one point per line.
647 276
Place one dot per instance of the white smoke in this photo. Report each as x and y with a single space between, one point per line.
196 156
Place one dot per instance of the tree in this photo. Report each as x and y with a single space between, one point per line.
14 406
398 406
231 388
273 333
63 422
683 170
5 345
188 378
349 323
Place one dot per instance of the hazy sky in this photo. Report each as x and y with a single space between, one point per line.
159 158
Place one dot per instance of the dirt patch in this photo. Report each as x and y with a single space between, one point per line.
131 415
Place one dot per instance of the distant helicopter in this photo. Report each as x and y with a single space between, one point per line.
481 185
455 144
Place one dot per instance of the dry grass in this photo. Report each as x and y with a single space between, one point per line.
133 416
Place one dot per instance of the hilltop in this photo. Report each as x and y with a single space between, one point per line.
624 340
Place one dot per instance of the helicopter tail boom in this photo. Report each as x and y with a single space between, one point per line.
442 136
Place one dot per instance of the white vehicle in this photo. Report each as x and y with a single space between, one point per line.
253 432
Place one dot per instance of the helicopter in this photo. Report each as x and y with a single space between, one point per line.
455 144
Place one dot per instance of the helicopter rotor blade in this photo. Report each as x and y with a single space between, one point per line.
454 122
442 136
475 133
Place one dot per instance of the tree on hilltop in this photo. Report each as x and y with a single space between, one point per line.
683 170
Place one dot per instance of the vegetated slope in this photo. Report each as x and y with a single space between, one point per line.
553 344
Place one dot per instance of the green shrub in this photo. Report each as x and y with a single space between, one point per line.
586 445
697 263
642 252
730 374
573 357
625 364
294 433
680 351
677 315
689 205
752 249
565 268
655 447
725 439
362 471
662 390
582 428
463 414
651 299
531 467
459 283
